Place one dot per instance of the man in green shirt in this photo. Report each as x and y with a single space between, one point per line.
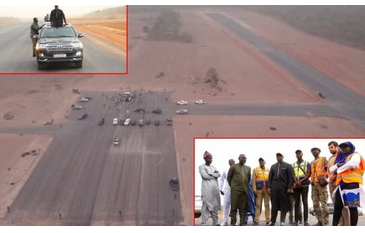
34 28
239 176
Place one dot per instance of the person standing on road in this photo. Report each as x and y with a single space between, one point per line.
34 31
318 174
209 190
239 176
301 188
57 17
349 169
225 190
279 187
260 177
345 216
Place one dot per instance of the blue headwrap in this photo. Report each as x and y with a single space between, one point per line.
342 157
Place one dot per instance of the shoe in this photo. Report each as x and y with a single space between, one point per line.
255 223
267 222
300 222
295 224
325 224
270 224
320 223
282 224
306 224
224 224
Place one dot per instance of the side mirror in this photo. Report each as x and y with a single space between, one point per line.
81 35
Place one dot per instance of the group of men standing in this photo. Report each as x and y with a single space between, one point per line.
342 172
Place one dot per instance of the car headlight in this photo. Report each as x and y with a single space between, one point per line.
77 45
41 46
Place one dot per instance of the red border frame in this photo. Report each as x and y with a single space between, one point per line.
126 63
194 138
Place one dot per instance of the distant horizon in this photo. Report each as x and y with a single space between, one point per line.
22 12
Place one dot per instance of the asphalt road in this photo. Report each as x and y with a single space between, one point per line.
343 101
87 180
16 51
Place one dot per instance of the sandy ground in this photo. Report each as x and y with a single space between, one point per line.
15 169
248 77
114 31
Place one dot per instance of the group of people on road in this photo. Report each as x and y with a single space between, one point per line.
56 18
286 186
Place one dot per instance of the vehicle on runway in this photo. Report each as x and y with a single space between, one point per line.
200 102
116 140
169 121
101 122
140 122
127 121
83 99
59 45
157 111
133 122
76 107
182 102
157 122
148 122
181 111
174 184
115 121
83 116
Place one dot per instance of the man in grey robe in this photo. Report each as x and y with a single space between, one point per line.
239 176
210 190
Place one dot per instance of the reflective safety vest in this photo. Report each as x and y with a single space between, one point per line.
318 169
298 171
262 177
352 175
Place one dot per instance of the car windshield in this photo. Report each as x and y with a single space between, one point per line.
57 32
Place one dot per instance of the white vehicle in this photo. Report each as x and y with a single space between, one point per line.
115 121
116 140
83 99
127 121
76 107
182 111
200 102
182 102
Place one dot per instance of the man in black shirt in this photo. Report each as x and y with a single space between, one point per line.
279 187
57 17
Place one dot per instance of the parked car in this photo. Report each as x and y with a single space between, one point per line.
330 209
133 122
115 121
140 122
157 111
198 206
182 111
127 121
83 99
76 107
200 102
157 122
182 102
148 122
83 116
169 121
116 140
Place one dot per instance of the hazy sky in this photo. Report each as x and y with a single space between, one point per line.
31 11
225 149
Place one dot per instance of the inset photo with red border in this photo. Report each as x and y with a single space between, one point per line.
222 150
64 39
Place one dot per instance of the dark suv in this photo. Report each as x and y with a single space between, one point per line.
59 44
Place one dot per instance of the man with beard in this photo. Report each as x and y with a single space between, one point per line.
279 187
210 190
239 176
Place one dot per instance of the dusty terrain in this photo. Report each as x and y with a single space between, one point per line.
15 168
248 76
113 31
